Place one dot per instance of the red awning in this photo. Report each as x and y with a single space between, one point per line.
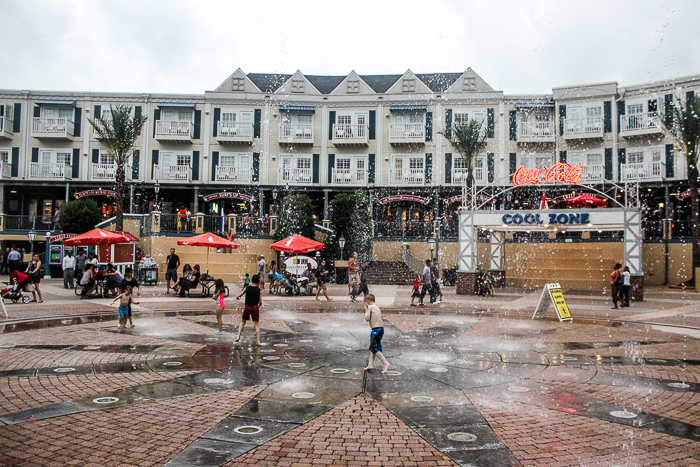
127 235
99 237
208 240
297 244
586 200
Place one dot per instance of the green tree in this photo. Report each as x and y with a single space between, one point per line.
119 135
351 220
79 216
296 217
468 139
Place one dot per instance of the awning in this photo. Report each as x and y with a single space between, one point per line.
308 108
534 105
177 104
408 107
55 102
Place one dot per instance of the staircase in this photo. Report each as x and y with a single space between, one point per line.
389 273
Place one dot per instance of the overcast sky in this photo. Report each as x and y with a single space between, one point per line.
185 46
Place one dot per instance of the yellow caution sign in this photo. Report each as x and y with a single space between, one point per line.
557 299
560 304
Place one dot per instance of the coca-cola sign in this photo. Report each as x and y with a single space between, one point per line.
560 172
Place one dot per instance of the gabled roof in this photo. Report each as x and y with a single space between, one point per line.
325 84
268 82
380 83
438 82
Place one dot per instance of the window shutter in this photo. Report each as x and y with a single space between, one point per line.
331 122
35 154
428 126
98 112
195 165
608 169
135 161
18 118
669 161
513 125
620 111
256 123
448 167
156 117
448 123
95 156
37 111
197 123
607 116
371 168
217 117
76 164
562 117
562 156
315 167
490 122
512 162
154 162
77 121
429 167
372 124
137 110
15 162
689 96
256 167
331 166
214 162
491 166
668 110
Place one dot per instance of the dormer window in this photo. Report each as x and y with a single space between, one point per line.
409 85
469 84
353 86
297 85
237 84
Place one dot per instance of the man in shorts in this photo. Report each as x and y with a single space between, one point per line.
261 271
253 302
172 264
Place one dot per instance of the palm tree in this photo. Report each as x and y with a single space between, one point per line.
468 139
119 135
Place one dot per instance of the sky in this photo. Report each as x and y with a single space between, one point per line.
188 47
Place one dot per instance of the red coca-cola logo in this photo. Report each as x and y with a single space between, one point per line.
560 172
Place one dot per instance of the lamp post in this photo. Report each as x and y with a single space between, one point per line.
156 188
32 236
47 257
274 202
432 244
341 244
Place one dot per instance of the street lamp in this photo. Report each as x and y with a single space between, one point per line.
432 243
32 236
156 188
47 257
274 201
341 244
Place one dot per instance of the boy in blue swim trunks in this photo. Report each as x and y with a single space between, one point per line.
374 315
125 301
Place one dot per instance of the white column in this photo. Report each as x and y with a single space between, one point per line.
501 142
25 154
324 143
379 157
206 164
263 177
437 125
145 157
467 242
85 158
498 256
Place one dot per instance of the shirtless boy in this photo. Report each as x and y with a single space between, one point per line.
374 315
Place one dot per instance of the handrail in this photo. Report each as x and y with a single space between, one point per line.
413 263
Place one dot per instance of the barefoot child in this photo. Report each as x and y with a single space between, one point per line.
374 315
219 293
416 289
125 301
253 302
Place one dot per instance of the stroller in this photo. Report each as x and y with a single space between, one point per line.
13 291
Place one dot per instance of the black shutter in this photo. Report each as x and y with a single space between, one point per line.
76 164
608 164
428 126
154 162
137 110
668 110
653 105
491 166
490 122
331 122
428 167
371 168
214 162
35 154
513 125
197 123
135 161
448 123
95 156
256 167
156 117
97 112
256 123
512 162
77 121
195 165
315 162
331 166
18 118
448 167
620 112
37 111
372 124
669 161
562 117
15 162
689 97
607 116
217 117
562 156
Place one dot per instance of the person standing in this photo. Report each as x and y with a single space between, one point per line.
262 265
434 276
425 281
68 266
92 259
80 260
253 302
13 259
362 288
322 279
56 218
353 273
182 219
4 268
34 273
229 237
172 263
626 286
616 282
219 294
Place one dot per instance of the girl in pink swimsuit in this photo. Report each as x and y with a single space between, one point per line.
219 293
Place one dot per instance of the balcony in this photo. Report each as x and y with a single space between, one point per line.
37 170
5 170
640 124
407 133
583 128
536 132
26 223
407 176
480 175
643 171
5 127
350 134
295 176
174 131
296 134
234 132
349 177
232 174
60 129
108 172
166 173
592 173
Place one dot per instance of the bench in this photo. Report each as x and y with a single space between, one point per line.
207 288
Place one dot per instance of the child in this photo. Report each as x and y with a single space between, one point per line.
219 293
253 302
246 281
362 288
416 289
439 291
125 301
374 315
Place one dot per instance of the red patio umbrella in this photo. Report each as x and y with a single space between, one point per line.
208 240
99 237
586 200
297 244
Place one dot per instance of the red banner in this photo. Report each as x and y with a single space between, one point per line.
415 198
229 195
83 194
57 238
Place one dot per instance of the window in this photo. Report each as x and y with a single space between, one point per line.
635 108
57 112
594 112
106 158
4 156
469 84
409 85
463 116
7 111
343 163
184 159
414 117
295 168
55 157
584 158
535 161
236 122
237 84
65 113
635 157
344 119
353 86
297 85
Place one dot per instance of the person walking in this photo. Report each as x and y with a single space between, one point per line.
34 273
68 266
425 281
626 286
353 273
4 267
172 263
322 275
125 301
253 302
56 218
13 260
434 277
229 237
262 265
374 316
362 288
616 281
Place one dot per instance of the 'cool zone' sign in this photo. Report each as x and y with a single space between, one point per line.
547 218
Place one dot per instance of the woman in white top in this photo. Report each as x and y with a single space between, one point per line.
88 280
626 286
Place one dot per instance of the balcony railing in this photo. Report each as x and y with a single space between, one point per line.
172 172
592 126
232 174
174 128
349 177
295 176
50 171
14 222
5 169
404 229
479 175
52 127
643 121
643 171
535 130
406 132
407 176
350 134
5 126
592 173
296 133
103 171
234 132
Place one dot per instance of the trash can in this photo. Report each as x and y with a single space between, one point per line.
148 276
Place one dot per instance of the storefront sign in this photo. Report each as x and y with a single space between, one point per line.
685 194
556 296
547 218
417 199
298 264
58 238
229 195
560 172
83 194
482 198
